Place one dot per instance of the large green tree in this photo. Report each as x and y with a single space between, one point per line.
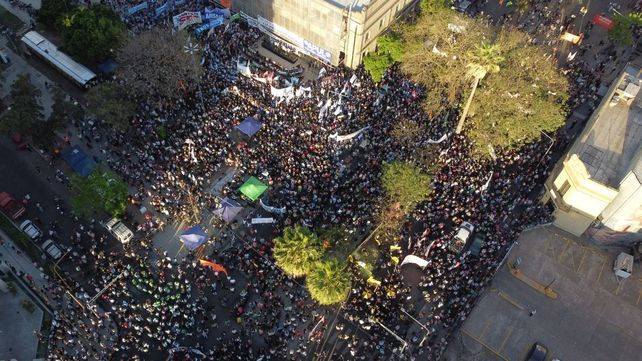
109 102
622 31
297 250
52 12
160 62
389 51
405 183
329 281
102 190
25 113
446 50
93 34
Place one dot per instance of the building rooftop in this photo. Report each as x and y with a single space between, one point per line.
357 5
610 143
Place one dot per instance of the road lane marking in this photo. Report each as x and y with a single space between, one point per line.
510 332
479 341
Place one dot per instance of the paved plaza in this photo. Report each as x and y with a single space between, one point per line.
595 317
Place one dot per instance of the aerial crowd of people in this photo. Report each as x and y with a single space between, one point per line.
159 304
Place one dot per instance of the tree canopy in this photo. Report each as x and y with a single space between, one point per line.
329 281
109 102
405 183
93 34
297 251
520 96
156 62
52 12
102 190
62 112
622 31
389 51
25 113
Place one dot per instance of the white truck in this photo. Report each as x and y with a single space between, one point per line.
119 230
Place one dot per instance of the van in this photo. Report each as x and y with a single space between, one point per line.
119 230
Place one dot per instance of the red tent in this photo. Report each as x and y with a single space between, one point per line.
603 21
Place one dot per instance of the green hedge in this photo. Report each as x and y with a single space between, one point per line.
19 238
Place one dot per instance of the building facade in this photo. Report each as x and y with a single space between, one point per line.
596 189
332 31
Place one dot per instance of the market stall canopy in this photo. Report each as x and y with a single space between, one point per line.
78 160
253 188
228 210
249 126
194 237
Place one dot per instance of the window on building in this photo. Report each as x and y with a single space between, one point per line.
397 8
564 188
380 23
367 36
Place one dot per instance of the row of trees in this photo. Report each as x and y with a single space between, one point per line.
25 114
324 260
509 90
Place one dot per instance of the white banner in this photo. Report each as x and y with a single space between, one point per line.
187 18
272 209
244 69
443 137
339 138
414 260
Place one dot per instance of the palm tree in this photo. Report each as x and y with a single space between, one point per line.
486 59
297 251
329 281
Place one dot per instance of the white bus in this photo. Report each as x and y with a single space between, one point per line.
78 73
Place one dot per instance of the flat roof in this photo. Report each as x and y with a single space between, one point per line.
595 316
49 51
357 5
609 145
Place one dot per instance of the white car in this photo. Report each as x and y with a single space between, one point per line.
465 230
119 230
51 249
30 230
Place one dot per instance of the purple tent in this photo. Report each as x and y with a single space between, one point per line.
249 126
194 237
228 210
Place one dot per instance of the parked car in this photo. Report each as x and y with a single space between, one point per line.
477 244
458 244
30 229
119 230
11 207
51 249
537 353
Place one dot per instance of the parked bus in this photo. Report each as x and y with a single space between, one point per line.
38 45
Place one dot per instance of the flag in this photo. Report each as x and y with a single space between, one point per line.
374 281
214 266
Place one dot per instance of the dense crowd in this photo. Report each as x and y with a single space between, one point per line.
162 304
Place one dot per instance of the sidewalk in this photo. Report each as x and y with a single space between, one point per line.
40 284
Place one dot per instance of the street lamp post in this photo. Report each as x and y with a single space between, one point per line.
192 49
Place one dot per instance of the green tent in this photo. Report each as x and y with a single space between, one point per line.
253 188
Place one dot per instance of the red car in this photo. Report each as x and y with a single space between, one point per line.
11 207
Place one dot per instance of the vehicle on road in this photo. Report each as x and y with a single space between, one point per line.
11 207
30 229
477 244
537 353
459 243
119 230
51 249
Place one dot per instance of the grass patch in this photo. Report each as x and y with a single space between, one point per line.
19 238
9 20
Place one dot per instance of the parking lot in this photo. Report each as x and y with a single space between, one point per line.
593 317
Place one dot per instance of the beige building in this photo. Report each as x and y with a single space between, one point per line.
596 189
332 31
